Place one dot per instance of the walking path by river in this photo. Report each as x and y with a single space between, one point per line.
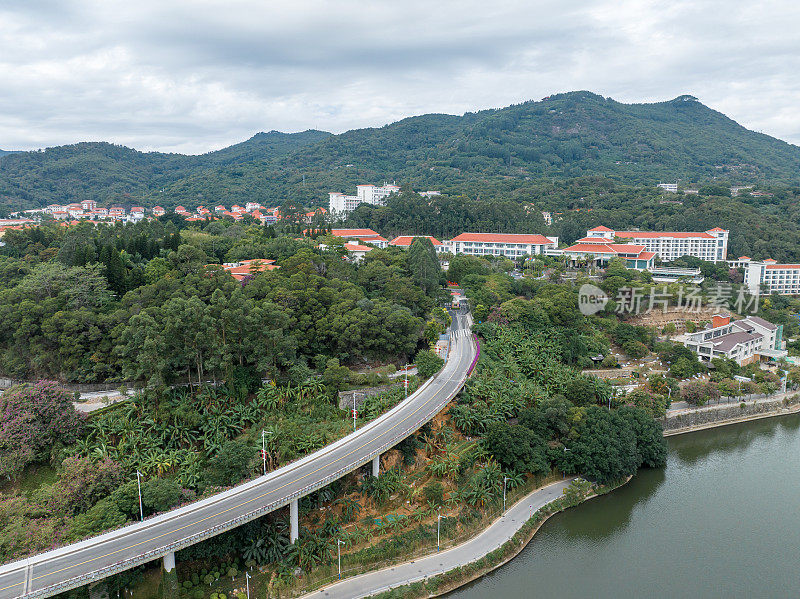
493 537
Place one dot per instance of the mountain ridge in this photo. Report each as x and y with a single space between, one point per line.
565 135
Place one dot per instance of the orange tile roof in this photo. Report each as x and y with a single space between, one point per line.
407 240
603 229
503 238
357 247
782 266
354 233
665 234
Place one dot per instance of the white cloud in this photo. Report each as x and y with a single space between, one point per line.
195 75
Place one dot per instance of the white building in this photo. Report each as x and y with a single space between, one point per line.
500 244
362 236
404 242
744 341
365 194
602 251
671 187
711 245
767 276
356 251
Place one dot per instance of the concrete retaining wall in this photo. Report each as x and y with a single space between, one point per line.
710 415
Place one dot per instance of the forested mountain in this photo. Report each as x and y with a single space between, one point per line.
563 136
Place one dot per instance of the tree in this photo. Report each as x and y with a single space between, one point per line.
424 265
650 443
428 363
230 465
604 447
699 393
516 448
33 419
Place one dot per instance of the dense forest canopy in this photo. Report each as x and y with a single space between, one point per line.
141 302
564 136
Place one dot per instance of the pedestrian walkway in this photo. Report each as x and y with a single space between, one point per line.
493 537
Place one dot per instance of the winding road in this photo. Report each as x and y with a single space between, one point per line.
55 571
495 536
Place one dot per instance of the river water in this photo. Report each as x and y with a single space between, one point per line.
721 520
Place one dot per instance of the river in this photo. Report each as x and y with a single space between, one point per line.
722 519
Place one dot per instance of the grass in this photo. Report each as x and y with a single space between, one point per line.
32 478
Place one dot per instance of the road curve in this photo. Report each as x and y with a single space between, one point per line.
55 571
491 538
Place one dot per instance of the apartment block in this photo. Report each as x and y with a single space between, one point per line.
711 245
500 244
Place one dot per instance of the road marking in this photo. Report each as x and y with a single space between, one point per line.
227 510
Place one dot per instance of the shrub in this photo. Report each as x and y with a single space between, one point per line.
428 363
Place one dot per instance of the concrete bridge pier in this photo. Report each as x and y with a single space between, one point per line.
376 466
169 578
294 519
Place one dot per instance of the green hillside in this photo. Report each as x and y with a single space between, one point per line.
564 136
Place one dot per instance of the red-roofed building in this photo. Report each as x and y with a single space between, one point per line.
220 208
405 241
711 245
635 256
243 268
768 276
362 235
500 244
356 251
158 211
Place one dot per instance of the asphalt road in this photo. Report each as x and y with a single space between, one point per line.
73 565
500 531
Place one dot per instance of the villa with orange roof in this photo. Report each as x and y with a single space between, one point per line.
509 245
405 241
710 245
362 236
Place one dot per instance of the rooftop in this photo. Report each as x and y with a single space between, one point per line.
504 238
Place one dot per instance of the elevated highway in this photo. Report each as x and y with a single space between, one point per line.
81 563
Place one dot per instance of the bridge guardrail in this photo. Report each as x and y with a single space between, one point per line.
153 554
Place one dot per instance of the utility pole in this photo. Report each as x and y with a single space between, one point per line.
264 450
505 480
438 525
139 484
339 544
355 413
247 582
406 383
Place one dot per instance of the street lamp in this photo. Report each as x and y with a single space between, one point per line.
355 413
339 544
247 582
438 524
406 382
264 449
139 484
505 480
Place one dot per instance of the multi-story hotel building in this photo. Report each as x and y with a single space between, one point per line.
500 244
340 204
767 276
711 245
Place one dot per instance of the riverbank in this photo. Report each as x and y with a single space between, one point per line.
712 416
441 573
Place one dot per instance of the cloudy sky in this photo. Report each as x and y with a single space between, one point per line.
196 75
